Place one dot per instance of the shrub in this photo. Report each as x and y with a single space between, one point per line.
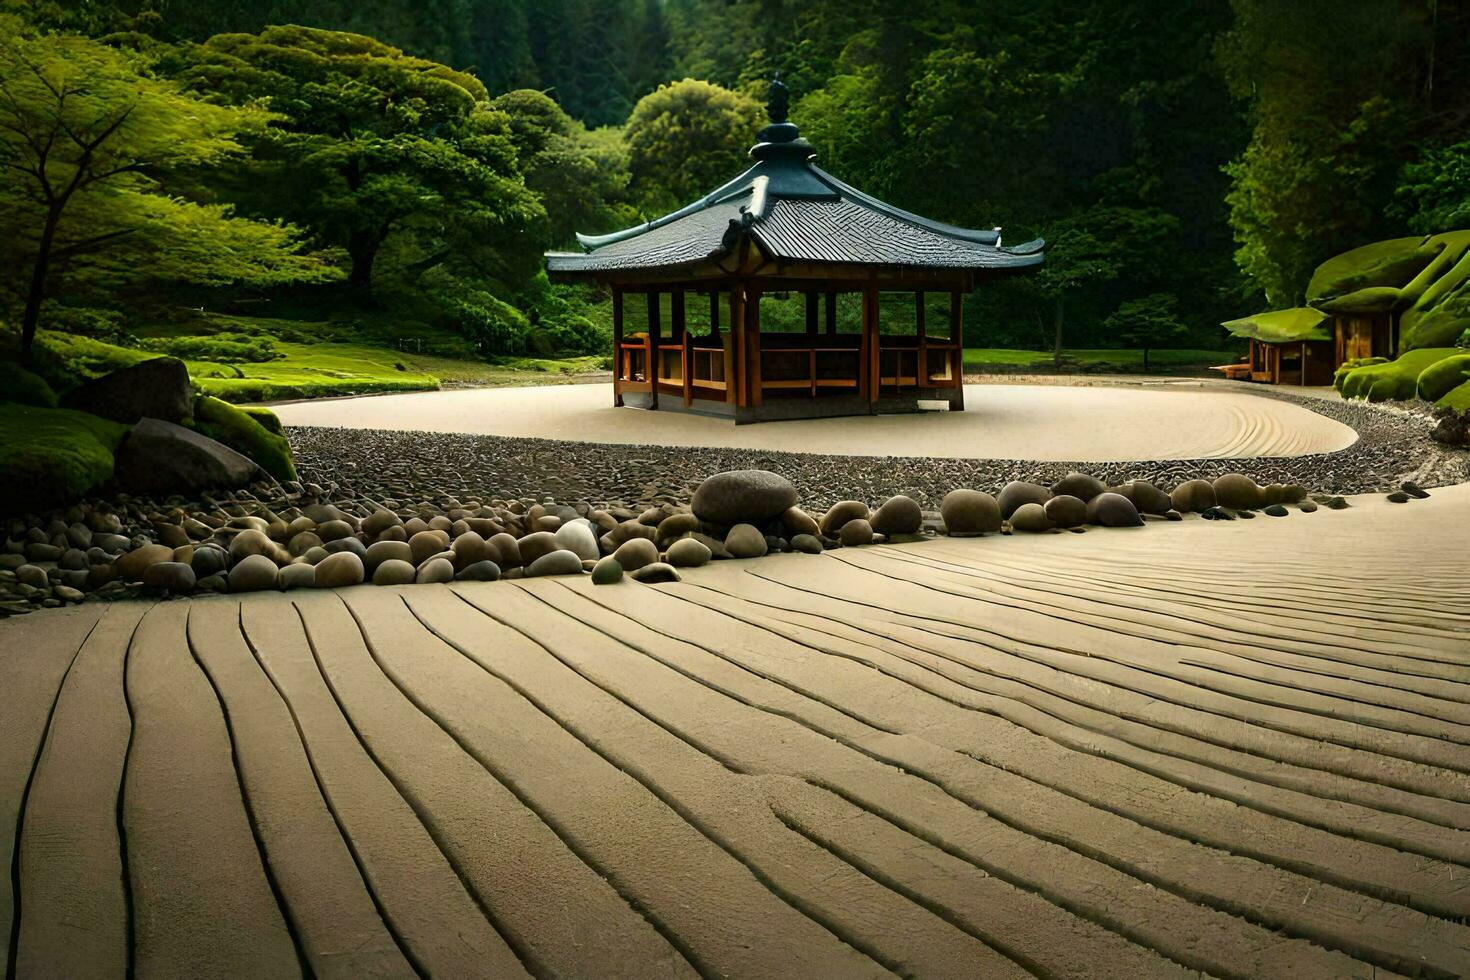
1441 377
21 387
243 433
1391 380
224 347
50 457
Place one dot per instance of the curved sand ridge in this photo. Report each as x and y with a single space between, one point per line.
1033 422
1198 746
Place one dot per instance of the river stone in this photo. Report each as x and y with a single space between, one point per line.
1307 507
301 543
577 537
1113 510
508 549
338 570
675 526
251 542
716 546
352 544
297 576
1031 517
657 572
435 570
745 541
840 513
32 575
68 594
394 571
687 553
207 561
635 553
1079 485
855 533
252 574
132 565
469 548
158 457
170 534
379 521
1148 498
426 544
898 515
1019 492
171 576
381 551
807 544
158 388
555 563
1066 511
1237 491
607 571
1398 497
480 571
1193 496
1275 510
970 512
1216 514
333 530
742 497
536 545
797 521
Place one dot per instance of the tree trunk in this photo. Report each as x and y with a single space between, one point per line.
37 291
1056 355
362 248
1145 360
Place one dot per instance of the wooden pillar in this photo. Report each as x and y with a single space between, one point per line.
653 344
957 351
921 365
831 313
753 342
681 333
869 351
617 307
735 349
811 313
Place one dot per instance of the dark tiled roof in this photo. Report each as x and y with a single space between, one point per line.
794 211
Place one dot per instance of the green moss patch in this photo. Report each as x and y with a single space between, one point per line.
244 433
1396 380
1457 398
50 457
20 387
1442 377
1389 263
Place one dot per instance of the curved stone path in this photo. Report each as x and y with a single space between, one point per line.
1047 423
1200 747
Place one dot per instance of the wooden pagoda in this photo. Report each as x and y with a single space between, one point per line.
785 227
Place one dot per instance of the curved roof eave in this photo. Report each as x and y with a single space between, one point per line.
590 242
981 236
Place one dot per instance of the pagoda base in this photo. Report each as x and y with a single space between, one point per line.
909 401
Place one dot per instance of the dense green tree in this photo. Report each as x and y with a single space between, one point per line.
88 142
370 143
1433 194
687 138
1148 322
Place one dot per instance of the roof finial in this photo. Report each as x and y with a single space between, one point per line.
778 99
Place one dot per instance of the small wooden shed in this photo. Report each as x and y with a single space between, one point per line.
784 229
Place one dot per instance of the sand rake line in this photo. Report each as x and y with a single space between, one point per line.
331 806
409 798
288 914
13 949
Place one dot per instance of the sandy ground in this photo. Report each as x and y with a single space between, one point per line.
1159 420
1233 748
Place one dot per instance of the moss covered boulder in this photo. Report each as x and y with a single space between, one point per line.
1395 380
21 387
254 434
50 457
1443 376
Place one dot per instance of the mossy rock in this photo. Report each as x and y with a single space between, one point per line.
269 420
244 433
1443 376
50 457
1458 398
1347 367
1374 299
21 387
1395 380
1388 263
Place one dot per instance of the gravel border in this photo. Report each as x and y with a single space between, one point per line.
376 464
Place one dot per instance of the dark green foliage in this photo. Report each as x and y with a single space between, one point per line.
1433 193
50 457
244 432
1152 321
20 387
226 347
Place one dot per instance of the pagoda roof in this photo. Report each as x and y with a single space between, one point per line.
793 212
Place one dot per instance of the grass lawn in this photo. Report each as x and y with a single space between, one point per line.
981 359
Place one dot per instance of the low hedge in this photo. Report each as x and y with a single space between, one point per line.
1396 380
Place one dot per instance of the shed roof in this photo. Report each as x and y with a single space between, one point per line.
1282 326
794 212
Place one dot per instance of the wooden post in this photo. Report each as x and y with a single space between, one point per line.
735 349
870 340
753 342
811 313
617 304
957 351
921 368
653 353
681 331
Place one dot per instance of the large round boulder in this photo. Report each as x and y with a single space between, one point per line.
745 541
393 571
796 521
480 571
536 545
1148 498
657 572
171 576
135 563
555 563
688 553
297 576
856 533
607 571
435 571
969 512
252 574
1066 511
1019 492
742 497
577 537
1237 491
1113 510
157 389
1031 517
337 570
634 553
158 457
898 515
1193 496
1079 485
